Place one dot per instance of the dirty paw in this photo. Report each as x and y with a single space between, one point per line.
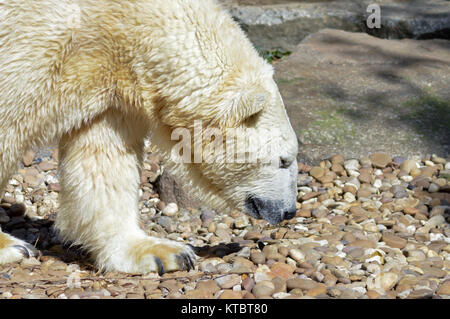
162 256
14 250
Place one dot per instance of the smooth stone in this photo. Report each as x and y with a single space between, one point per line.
444 289
209 286
228 281
351 165
394 241
297 255
263 288
380 160
362 243
433 188
230 294
337 159
300 283
170 210
408 165
317 172
241 222
320 289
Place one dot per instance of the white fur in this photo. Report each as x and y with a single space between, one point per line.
129 69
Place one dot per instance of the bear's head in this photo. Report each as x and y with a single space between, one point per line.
238 148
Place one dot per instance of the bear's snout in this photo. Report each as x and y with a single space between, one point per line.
273 211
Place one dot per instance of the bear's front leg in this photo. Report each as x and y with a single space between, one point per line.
99 171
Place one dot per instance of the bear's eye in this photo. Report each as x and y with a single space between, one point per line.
251 120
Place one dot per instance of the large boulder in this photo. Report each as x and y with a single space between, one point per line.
171 190
354 94
282 24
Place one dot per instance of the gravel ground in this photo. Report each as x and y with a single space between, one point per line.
376 227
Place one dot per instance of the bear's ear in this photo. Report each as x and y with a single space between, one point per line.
244 105
227 109
252 103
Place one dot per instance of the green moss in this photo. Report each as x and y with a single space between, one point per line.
289 81
428 111
328 127
274 55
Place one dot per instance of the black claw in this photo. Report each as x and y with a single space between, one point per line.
32 250
23 249
160 266
188 262
192 261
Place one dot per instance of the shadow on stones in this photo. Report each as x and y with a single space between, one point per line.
46 242
219 250
423 111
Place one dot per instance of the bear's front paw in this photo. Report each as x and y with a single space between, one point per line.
14 250
162 255
153 255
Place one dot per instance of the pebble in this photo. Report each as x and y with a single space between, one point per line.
297 255
337 159
349 197
208 286
207 216
28 157
170 210
281 295
241 222
263 288
224 268
415 255
281 270
377 183
388 280
433 188
300 283
280 284
248 283
362 243
262 273
258 257
444 289
317 172
351 165
230 294
228 281
223 234
319 289
423 293
394 241
380 160
435 221
408 165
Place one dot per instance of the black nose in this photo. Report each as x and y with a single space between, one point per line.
273 211
289 214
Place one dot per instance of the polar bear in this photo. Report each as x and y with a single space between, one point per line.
98 77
